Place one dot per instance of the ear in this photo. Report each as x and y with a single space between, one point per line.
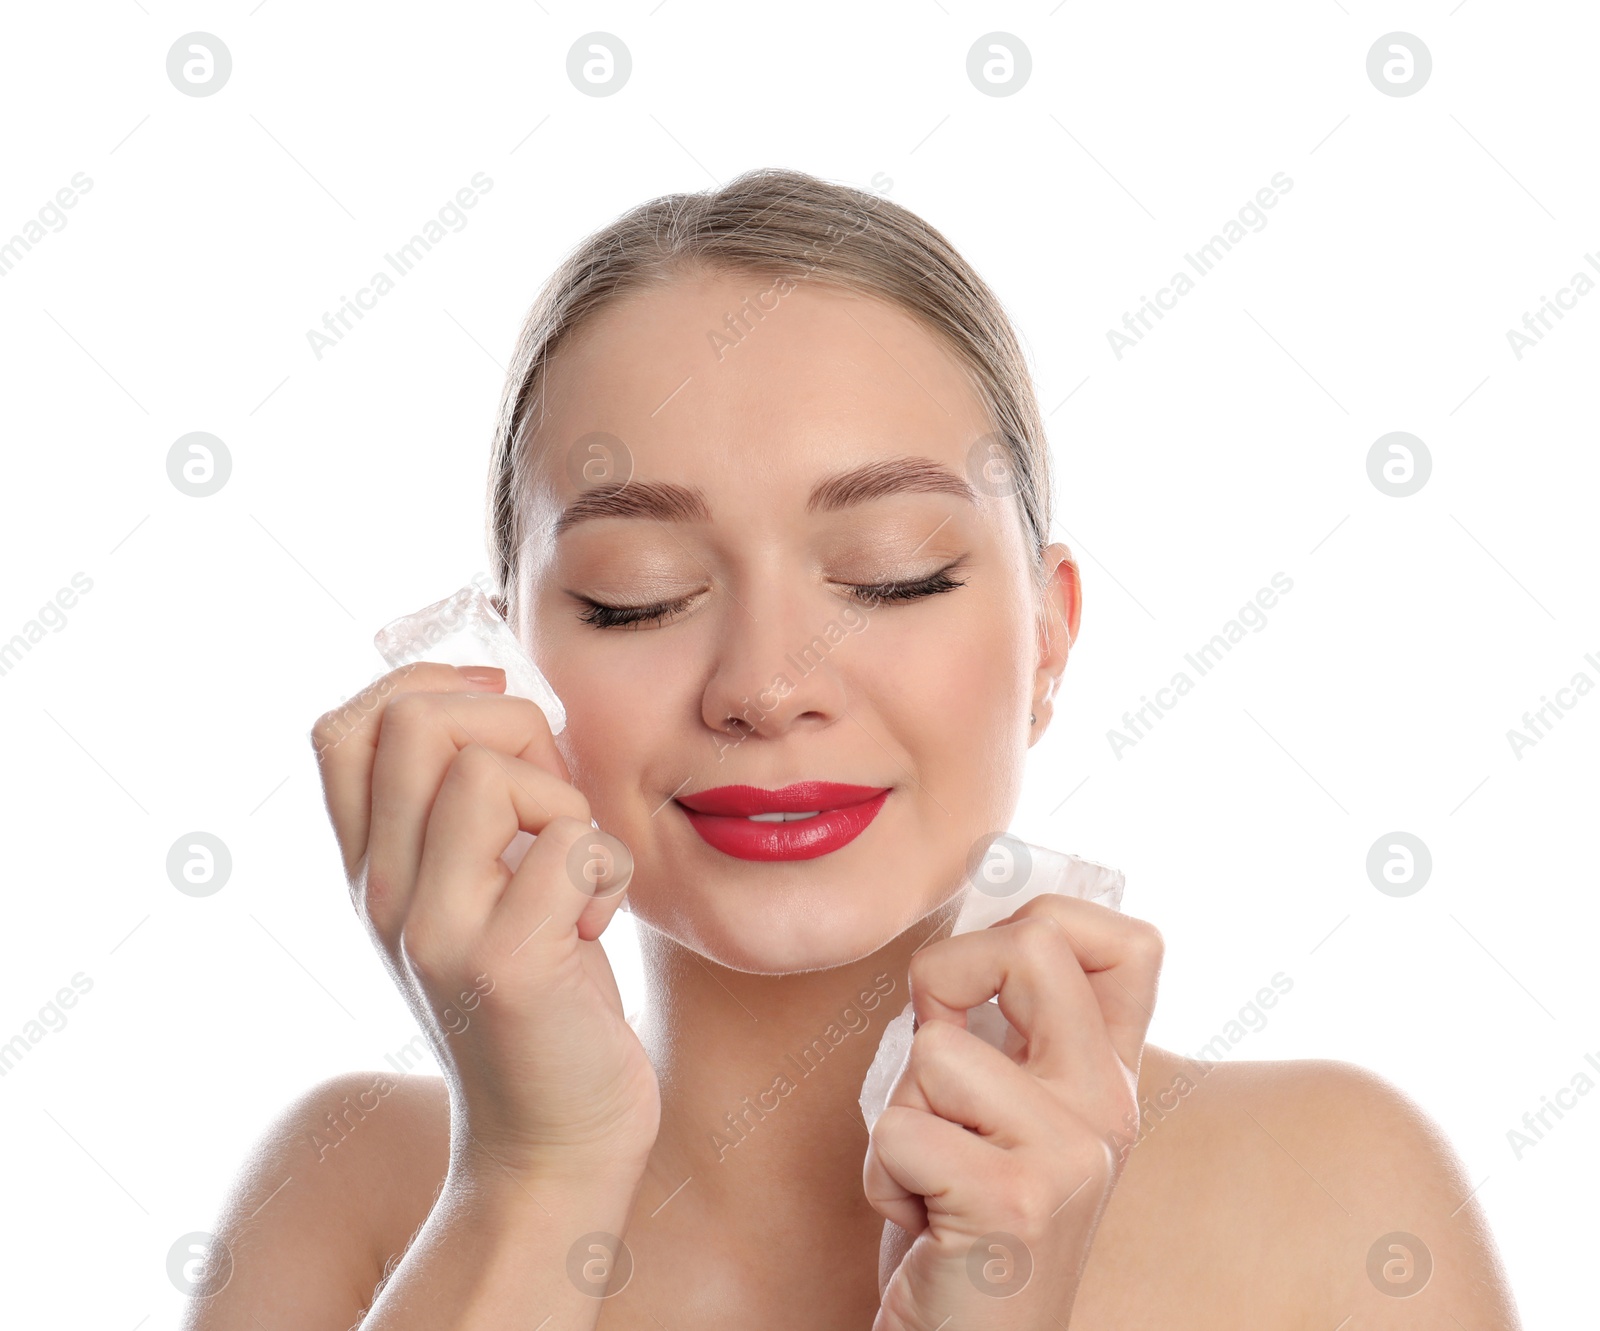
1062 610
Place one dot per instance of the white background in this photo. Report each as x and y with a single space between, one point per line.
1230 444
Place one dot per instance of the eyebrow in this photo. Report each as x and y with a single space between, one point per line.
665 501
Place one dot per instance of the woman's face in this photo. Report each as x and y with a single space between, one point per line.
758 661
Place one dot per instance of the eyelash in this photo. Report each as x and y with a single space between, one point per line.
609 616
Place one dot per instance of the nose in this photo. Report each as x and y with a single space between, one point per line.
777 663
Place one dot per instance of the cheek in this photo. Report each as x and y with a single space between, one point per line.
970 707
961 708
603 741
973 667
632 732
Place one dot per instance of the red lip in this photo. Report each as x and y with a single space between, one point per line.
721 817
742 801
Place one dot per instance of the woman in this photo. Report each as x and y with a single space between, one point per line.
770 507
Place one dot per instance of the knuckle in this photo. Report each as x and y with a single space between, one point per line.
528 709
567 829
1022 1196
331 728
374 901
321 731
891 1123
935 1040
1049 905
1148 940
1033 1195
922 966
1043 942
421 947
1090 1154
382 928
406 710
478 767
340 721
1051 912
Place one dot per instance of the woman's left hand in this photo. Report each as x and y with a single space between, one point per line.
993 1167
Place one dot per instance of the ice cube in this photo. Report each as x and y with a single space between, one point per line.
1011 873
463 630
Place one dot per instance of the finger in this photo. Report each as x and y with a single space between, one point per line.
557 888
1120 955
1029 965
421 736
1073 978
484 799
345 737
960 1076
918 1164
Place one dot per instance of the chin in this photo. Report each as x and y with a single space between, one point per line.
785 931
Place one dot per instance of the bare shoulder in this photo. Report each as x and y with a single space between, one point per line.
330 1192
402 1167
1313 1188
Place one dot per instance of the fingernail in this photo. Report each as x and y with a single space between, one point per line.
491 675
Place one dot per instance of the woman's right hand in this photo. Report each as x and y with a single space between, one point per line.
428 774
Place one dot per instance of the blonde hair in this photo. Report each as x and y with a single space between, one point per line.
778 223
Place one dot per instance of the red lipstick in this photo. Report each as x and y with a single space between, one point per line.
723 817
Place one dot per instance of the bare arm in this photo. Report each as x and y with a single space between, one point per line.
294 1244
301 1235
512 1250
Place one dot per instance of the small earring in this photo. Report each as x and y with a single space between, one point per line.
1032 719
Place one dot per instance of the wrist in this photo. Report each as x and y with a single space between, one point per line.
508 1178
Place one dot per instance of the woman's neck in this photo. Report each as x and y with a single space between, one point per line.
760 1081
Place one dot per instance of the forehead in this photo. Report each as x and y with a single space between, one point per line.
721 381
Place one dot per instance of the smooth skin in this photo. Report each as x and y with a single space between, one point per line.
1255 1190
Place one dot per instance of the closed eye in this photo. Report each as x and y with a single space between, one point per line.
910 591
630 616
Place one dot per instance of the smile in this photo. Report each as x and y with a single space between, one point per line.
797 822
